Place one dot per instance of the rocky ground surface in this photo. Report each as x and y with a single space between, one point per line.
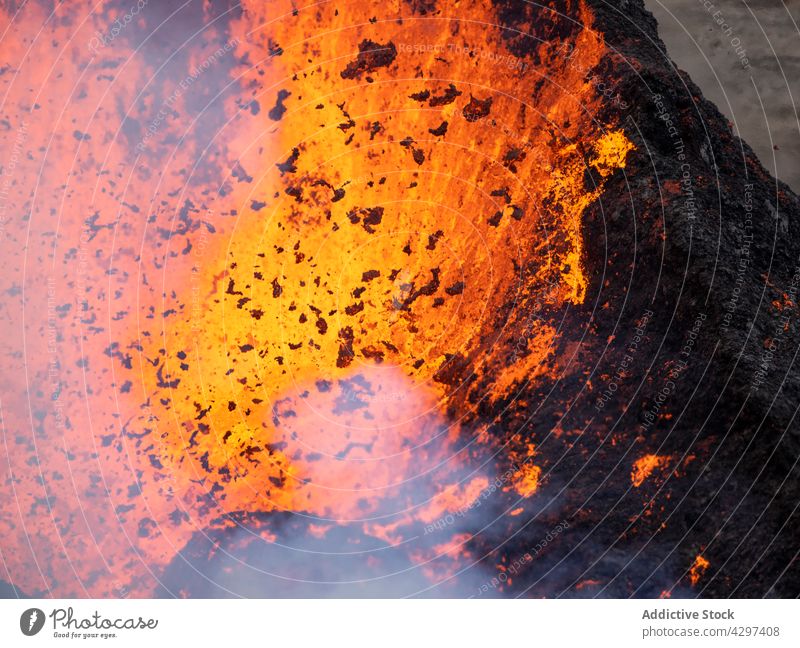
760 97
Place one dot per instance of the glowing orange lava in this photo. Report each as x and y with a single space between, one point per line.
281 303
644 467
698 568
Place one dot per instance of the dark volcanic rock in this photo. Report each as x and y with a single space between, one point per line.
696 232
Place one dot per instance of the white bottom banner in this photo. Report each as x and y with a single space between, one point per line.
382 623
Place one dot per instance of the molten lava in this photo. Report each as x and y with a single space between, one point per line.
286 296
698 568
644 467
